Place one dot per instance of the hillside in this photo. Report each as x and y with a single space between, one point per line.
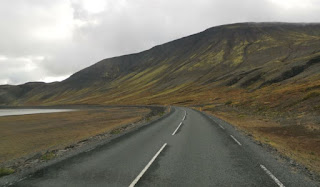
264 78
248 57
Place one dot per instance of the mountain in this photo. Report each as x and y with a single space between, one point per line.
273 65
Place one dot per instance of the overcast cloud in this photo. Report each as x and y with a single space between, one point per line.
46 40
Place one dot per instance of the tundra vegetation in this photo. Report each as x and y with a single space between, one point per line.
264 78
27 136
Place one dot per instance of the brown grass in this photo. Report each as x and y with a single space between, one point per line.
28 134
291 101
298 142
296 104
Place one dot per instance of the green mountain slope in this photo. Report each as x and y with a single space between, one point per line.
248 57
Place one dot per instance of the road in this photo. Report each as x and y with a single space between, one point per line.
187 148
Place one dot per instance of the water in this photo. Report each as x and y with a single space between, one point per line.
11 112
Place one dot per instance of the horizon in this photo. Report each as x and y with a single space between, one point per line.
50 40
116 93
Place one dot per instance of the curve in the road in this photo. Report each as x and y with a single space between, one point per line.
187 148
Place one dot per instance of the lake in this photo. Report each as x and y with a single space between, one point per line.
12 112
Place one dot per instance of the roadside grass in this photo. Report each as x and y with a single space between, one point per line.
6 171
48 156
286 101
115 131
23 136
297 142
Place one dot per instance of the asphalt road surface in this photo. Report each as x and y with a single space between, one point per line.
187 148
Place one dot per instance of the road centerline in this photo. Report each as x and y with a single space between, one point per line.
185 114
177 129
235 140
135 181
272 176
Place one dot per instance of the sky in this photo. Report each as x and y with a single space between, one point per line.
48 40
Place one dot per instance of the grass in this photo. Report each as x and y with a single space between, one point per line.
311 95
297 142
48 156
115 131
195 81
25 135
6 171
148 119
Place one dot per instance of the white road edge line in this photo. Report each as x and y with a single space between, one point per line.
272 176
177 129
134 182
221 126
235 140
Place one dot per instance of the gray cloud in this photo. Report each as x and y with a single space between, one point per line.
49 40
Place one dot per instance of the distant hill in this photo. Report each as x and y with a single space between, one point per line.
246 63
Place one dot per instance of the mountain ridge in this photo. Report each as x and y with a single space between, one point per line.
245 56
263 78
